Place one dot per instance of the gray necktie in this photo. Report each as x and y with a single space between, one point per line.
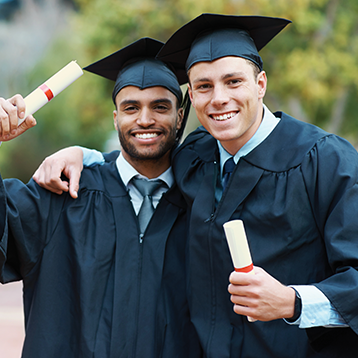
146 188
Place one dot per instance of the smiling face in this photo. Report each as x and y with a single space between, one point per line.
228 99
147 121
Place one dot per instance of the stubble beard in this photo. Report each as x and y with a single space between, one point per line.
148 155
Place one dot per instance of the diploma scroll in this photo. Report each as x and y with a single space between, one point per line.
239 248
51 88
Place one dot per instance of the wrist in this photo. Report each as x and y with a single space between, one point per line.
297 307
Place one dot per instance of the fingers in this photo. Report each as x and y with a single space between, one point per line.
57 186
67 161
19 102
8 118
48 176
239 279
261 296
74 176
73 158
10 111
242 288
242 296
28 123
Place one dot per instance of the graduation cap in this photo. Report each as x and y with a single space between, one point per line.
212 36
137 65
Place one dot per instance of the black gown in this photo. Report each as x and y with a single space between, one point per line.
90 288
297 194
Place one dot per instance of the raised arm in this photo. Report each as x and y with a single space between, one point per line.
10 110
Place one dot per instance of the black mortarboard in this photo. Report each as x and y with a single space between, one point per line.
136 65
212 36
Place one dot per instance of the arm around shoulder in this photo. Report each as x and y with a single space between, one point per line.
67 161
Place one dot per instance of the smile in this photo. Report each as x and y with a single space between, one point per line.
146 135
224 117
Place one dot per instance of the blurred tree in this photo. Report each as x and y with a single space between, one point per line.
27 60
312 66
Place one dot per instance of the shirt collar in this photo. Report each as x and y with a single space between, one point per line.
268 124
127 172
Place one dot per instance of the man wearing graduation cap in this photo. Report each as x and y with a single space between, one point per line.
98 280
293 185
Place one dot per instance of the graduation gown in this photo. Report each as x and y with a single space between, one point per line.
297 194
91 289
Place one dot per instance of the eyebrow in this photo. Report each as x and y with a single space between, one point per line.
126 102
162 100
204 79
233 74
224 77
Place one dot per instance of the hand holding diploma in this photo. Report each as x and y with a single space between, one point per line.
258 296
51 88
10 110
16 110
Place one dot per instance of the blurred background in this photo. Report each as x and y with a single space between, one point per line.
312 67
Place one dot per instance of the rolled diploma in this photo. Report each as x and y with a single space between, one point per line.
51 88
239 248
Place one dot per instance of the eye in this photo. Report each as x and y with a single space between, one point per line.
203 87
130 109
234 81
161 107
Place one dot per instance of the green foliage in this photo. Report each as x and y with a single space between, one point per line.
312 67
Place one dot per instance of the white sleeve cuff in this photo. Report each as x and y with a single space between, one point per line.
317 310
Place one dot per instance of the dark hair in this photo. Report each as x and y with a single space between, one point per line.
255 68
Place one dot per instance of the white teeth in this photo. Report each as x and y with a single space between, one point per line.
224 116
146 135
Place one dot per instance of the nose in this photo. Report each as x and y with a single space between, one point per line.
145 118
219 96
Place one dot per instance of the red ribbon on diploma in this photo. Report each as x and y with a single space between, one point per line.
45 89
245 269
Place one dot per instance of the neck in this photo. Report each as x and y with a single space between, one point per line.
150 168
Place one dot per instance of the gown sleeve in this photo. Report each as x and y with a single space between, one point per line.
28 216
330 172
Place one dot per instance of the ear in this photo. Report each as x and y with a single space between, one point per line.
180 118
115 120
262 84
191 95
